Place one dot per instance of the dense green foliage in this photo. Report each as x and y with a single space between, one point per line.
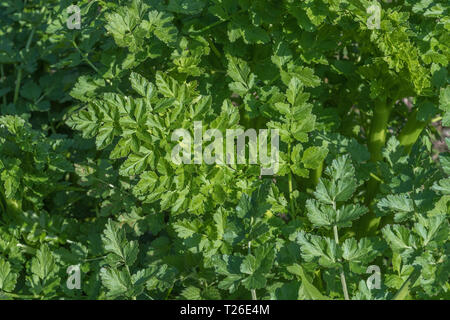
86 176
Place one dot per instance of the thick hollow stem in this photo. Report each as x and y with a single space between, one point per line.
377 140
317 174
411 131
343 281
378 129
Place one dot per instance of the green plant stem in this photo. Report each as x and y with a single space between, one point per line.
13 207
18 81
368 224
378 129
2 78
343 281
404 291
215 24
86 59
254 295
253 291
94 259
2 207
19 296
212 25
169 292
411 131
214 48
437 119
19 71
317 174
291 202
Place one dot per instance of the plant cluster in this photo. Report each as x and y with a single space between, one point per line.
360 205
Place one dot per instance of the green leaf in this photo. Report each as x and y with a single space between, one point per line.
160 23
435 228
310 291
136 163
192 293
186 228
286 291
8 278
322 193
316 248
166 85
31 91
325 215
398 237
340 185
348 213
361 252
442 186
313 157
320 216
125 25
444 99
142 85
405 289
239 71
341 169
117 282
43 264
254 281
115 241
396 203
